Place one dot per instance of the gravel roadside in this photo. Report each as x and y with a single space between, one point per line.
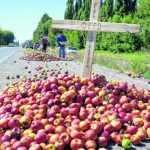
12 69
15 66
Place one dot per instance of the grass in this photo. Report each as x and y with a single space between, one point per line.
137 63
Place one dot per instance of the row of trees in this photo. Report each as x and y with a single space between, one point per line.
44 29
6 37
121 11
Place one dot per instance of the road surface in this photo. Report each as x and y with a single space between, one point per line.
6 52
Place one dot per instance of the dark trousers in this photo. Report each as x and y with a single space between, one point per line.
44 47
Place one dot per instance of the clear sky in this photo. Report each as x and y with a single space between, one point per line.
22 16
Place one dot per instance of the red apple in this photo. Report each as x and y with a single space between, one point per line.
102 142
77 144
90 144
65 138
131 130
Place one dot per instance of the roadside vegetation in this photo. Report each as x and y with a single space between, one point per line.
6 37
136 64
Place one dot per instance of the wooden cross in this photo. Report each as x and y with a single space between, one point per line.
92 27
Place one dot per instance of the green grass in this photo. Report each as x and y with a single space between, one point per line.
143 56
137 63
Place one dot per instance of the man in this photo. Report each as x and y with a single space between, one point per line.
62 41
44 43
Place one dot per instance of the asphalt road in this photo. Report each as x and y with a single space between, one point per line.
5 52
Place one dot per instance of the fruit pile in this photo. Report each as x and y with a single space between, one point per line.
70 112
43 57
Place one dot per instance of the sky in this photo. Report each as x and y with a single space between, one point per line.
22 16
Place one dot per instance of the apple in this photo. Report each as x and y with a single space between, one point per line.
102 93
16 145
84 125
54 138
35 147
22 148
77 144
49 128
116 124
98 127
131 130
5 145
13 123
141 133
111 117
90 144
109 128
26 141
148 133
40 138
147 117
76 134
126 144
25 121
65 138
36 125
96 100
118 138
90 134
59 145
102 142
50 147
5 138
32 135
135 139
138 122
60 129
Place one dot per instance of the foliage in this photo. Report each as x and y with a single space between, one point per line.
69 10
143 15
6 37
44 29
107 10
127 11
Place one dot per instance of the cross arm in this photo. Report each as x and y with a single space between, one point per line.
95 26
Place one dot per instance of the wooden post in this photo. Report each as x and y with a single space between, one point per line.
91 40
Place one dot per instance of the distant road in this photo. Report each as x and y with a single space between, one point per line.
7 51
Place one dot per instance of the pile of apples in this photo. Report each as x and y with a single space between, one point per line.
69 112
44 57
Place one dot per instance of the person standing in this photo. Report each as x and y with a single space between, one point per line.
62 41
44 43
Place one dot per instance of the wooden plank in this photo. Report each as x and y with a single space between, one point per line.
93 26
90 42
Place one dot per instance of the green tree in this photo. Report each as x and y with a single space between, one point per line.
42 28
78 6
8 36
45 18
118 7
107 10
1 38
143 18
86 9
69 13
130 5
124 7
